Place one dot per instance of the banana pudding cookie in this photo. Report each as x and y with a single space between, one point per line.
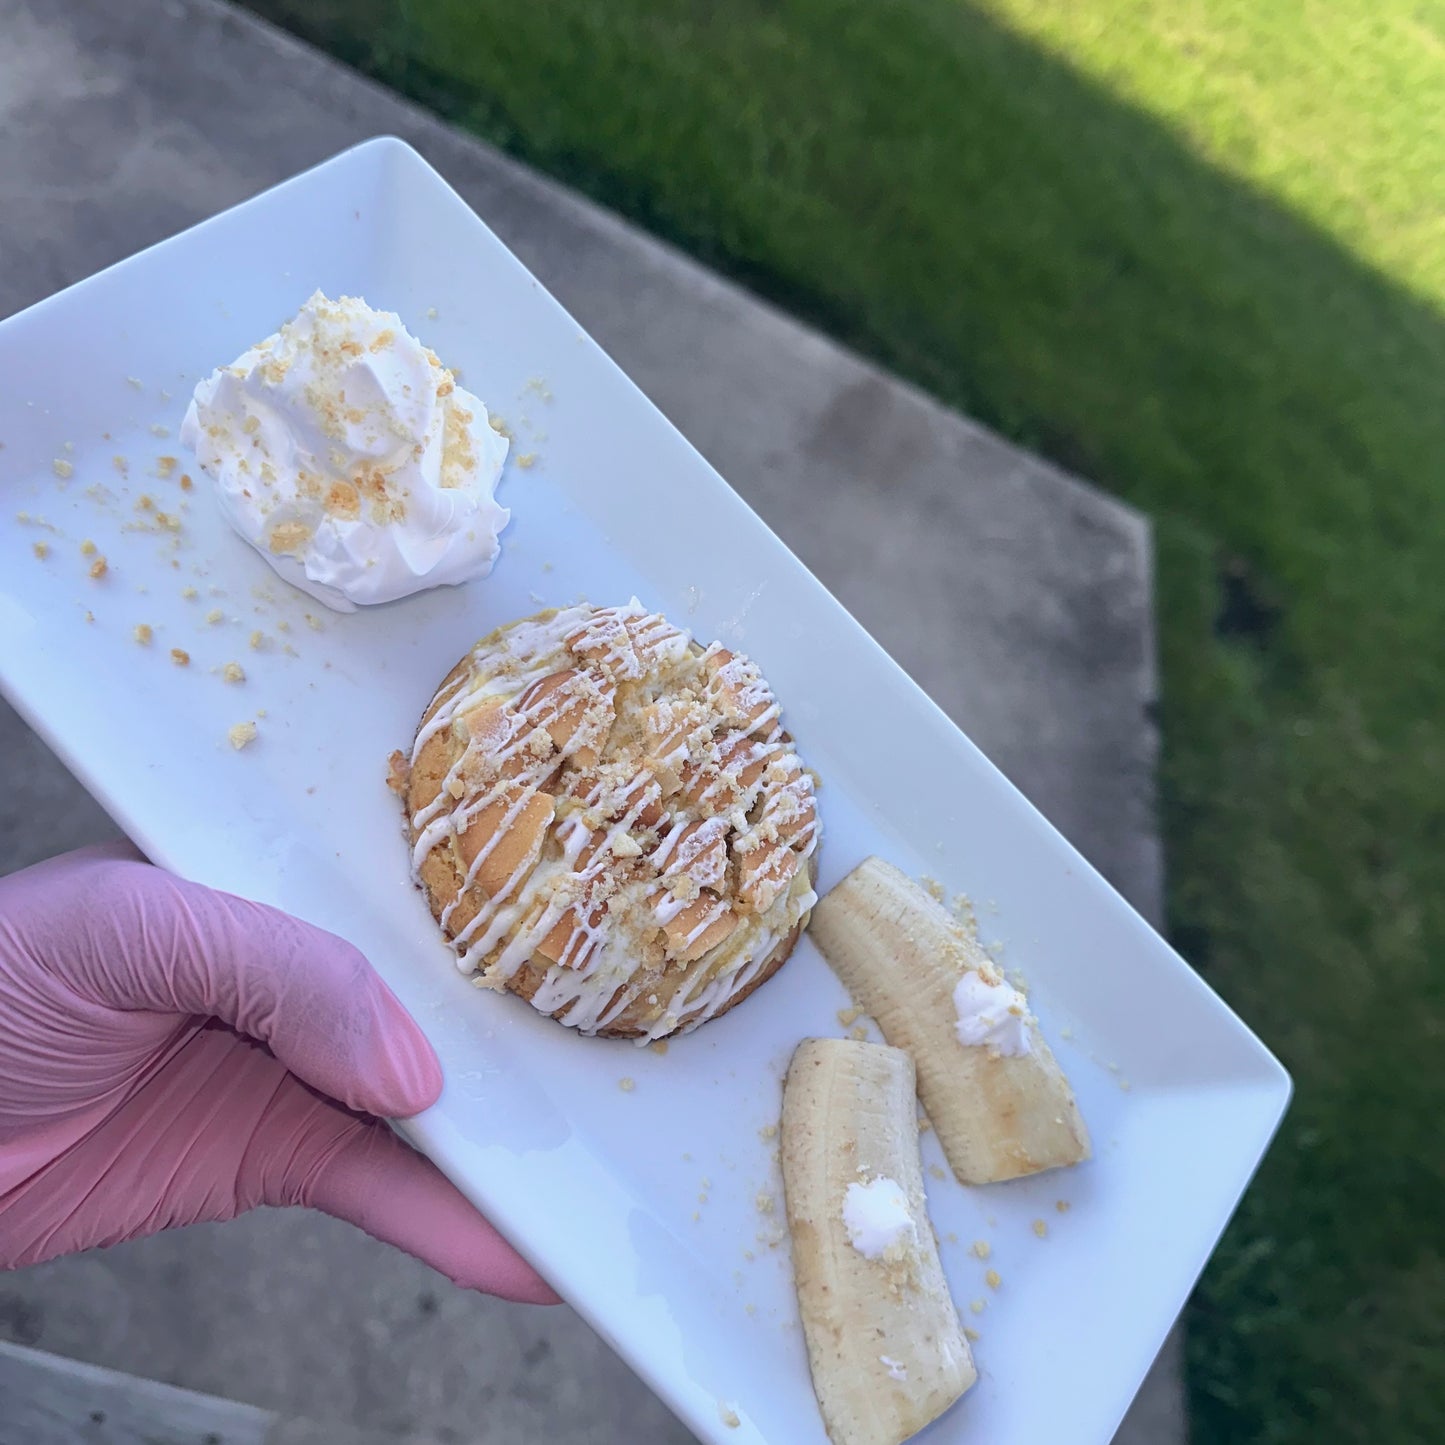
609 820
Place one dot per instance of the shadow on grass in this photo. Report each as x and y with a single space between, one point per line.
960 204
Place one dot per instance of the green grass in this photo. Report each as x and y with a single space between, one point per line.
1194 249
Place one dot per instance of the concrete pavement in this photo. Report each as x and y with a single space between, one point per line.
1018 597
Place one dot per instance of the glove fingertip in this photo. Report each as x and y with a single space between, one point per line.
378 1183
413 1073
364 1048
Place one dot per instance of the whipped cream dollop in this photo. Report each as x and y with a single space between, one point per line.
992 1013
877 1218
348 456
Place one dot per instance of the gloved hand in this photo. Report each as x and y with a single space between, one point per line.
170 1054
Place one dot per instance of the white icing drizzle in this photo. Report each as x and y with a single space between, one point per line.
669 787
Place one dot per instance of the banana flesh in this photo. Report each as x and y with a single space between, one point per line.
885 1347
998 1114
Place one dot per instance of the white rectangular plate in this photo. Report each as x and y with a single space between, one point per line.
641 1205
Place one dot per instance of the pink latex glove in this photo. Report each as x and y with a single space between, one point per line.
171 1054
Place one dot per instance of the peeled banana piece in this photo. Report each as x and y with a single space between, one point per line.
885 1347
998 1101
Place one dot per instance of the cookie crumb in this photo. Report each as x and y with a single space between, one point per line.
165 466
233 672
626 1085
189 593
186 481
215 615
848 1016
62 468
935 1172
241 734
258 640
313 622
981 1248
992 1280
859 1032
658 1046
1062 1205
142 633
136 382
768 1131
99 568
978 1306
527 460
90 616
41 549
87 548
180 657
1040 1228
157 430
431 313
120 464
728 1416
764 1203
971 1335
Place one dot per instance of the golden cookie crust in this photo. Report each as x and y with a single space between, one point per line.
609 820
